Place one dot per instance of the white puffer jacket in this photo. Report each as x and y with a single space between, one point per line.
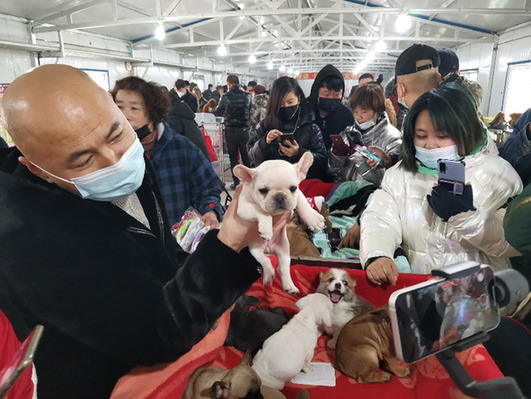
399 215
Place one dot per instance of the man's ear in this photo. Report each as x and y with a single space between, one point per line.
439 79
401 91
33 169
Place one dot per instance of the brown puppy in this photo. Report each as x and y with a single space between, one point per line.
365 344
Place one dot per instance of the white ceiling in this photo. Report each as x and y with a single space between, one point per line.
303 34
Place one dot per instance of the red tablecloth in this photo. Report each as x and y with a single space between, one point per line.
427 380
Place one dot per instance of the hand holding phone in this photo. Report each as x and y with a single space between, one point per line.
367 154
339 146
287 137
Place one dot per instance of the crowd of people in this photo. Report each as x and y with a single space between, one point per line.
94 183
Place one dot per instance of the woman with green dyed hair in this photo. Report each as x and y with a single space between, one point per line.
434 227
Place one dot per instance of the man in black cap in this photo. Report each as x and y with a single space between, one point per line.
449 63
417 71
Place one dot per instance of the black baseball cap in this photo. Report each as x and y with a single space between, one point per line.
449 62
407 61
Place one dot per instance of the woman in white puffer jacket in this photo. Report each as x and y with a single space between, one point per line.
434 227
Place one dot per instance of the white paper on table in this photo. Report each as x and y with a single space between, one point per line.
323 374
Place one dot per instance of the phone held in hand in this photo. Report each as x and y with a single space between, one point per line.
451 174
432 316
20 361
287 137
367 154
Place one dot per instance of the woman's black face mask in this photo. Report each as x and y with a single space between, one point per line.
144 131
329 104
287 113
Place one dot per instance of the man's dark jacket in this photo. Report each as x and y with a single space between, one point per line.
111 293
335 122
235 107
182 121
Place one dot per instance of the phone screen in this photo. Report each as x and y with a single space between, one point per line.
287 137
432 316
20 361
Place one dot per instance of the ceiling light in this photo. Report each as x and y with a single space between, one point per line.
252 59
282 68
380 46
160 33
403 23
270 65
290 71
222 50
297 73
370 56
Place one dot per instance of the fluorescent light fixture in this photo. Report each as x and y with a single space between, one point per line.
370 56
252 59
222 50
403 23
270 65
160 33
380 46
282 68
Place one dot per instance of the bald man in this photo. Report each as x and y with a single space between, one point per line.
416 72
86 249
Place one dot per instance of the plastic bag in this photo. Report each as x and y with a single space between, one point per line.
189 231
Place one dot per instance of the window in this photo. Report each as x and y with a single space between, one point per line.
516 97
470 74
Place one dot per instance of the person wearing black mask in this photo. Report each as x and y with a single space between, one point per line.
288 130
331 115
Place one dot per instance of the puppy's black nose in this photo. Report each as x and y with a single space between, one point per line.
338 286
280 201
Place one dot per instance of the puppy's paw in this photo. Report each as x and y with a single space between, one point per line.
401 371
266 233
331 343
290 289
315 221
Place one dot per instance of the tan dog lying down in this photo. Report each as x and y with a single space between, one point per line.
365 344
236 383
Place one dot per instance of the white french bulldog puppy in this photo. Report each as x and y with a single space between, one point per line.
272 189
290 350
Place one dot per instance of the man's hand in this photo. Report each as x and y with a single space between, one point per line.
351 238
289 148
211 220
382 270
238 233
386 159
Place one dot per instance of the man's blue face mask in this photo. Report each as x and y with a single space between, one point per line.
113 182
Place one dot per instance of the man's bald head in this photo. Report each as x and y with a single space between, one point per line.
49 104
412 86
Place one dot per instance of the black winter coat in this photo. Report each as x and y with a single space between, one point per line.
110 293
307 135
234 106
182 121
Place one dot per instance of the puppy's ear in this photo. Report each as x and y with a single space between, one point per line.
304 164
221 389
245 174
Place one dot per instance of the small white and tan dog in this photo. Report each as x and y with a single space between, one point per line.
337 285
271 189
290 350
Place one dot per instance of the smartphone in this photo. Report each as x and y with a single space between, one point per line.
367 154
20 361
432 316
287 137
451 174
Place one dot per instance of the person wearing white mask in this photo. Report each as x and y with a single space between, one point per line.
372 129
434 227
86 245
